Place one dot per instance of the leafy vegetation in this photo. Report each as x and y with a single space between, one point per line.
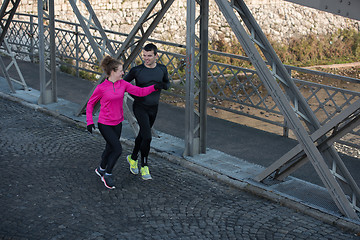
68 67
340 47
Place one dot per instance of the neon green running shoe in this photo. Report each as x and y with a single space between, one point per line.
145 174
133 165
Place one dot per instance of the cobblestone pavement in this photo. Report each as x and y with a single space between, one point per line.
48 190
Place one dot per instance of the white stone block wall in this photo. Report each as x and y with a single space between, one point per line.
279 19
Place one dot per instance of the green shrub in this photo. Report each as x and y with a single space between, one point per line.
340 47
67 67
87 75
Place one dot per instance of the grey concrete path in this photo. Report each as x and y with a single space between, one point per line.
70 153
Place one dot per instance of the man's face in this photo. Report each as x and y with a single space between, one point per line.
149 58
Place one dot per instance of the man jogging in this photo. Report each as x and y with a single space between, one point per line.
145 108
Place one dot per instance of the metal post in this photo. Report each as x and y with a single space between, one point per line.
204 39
52 51
43 95
32 42
196 81
190 69
77 49
48 88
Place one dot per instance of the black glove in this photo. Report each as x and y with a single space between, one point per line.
90 127
159 86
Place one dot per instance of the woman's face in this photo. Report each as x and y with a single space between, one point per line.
118 73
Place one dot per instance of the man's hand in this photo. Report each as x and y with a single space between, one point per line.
159 86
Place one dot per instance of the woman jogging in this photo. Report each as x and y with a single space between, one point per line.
110 93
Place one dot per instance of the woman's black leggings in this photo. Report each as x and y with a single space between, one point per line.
145 116
113 148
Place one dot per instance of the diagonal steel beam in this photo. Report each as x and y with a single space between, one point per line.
6 16
340 125
92 21
270 78
6 74
349 8
13 63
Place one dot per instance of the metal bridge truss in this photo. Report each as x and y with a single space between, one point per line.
291 103
236 90
6 16
13 64
349 8
270 88
324 137
91 25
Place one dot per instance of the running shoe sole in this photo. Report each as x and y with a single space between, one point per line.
98 173
103 180
146 178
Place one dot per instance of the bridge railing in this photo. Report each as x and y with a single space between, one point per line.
234 92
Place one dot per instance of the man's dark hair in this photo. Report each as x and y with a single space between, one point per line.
151 47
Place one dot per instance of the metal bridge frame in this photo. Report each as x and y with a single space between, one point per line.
4 24
292 104
13 63
349 8
314 140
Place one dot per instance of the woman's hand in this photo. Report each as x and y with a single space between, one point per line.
90 127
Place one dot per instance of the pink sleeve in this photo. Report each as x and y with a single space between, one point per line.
138 91
95 97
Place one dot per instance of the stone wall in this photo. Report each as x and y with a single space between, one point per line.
279 19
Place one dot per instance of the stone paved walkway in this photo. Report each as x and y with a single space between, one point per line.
48 190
